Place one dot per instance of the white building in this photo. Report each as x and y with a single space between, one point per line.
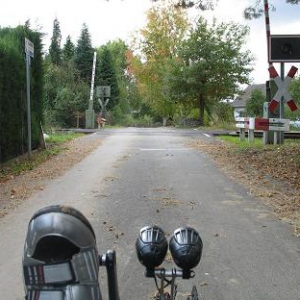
239 104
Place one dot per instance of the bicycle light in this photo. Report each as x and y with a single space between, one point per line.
151 246
186 247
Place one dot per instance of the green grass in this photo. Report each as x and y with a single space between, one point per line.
256 143
59 138
55 144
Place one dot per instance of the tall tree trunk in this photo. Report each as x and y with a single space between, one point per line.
201 108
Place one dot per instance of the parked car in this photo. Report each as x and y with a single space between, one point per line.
295 123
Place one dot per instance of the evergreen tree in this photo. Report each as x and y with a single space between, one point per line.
107 75
84 54
68 50
118 50
55 49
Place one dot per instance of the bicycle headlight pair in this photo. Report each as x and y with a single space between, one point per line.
185 246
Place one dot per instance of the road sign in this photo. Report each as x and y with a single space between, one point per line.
284 48
262 124
265 124
272 124
29 48
244 123
276 124
283 86
103 91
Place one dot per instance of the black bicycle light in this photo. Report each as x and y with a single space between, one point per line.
186 247
151 246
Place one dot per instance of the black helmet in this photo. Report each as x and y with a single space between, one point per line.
151 246
186 247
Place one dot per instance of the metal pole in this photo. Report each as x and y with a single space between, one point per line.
268 30
267 136
89 113
281 108
28 103
92 82
282 98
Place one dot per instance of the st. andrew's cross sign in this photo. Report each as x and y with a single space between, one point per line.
283 86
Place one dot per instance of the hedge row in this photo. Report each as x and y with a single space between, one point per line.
13 99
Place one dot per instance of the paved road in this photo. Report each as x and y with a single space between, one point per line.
139 176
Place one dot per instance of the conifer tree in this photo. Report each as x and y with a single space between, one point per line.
68 50
84 54
55 48
107 75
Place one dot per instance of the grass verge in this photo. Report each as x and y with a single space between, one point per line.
54 145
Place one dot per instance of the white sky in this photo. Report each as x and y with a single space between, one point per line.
109 20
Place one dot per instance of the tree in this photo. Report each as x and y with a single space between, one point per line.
84 53
55 49
254 105
253 11
295 93
159 44
118 50
256 10
52 81
106 75
68 51
65 94
212 64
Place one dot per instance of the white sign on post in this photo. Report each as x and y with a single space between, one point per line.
29 48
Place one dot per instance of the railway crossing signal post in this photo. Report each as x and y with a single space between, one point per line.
282 49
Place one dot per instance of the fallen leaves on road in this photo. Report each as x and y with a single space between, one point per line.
271 173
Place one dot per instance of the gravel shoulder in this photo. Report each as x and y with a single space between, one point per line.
14 190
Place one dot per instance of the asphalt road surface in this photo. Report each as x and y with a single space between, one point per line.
141 176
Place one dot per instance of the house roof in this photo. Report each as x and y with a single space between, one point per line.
240 102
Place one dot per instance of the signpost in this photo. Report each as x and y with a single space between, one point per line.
244 123
102 93
282 49
29 50
264 124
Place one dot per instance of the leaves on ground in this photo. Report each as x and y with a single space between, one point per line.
271 173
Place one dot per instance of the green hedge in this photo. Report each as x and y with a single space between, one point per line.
13 99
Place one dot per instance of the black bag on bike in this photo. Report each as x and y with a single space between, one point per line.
60 260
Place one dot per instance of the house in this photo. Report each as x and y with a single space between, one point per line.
239 104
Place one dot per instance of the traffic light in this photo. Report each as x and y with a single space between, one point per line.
284 48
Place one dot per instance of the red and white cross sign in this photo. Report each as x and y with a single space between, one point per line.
283 86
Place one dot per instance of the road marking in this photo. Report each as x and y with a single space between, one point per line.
164 149
206 134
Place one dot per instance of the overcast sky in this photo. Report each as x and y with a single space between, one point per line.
109 20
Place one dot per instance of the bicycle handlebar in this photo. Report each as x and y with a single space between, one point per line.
173 273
